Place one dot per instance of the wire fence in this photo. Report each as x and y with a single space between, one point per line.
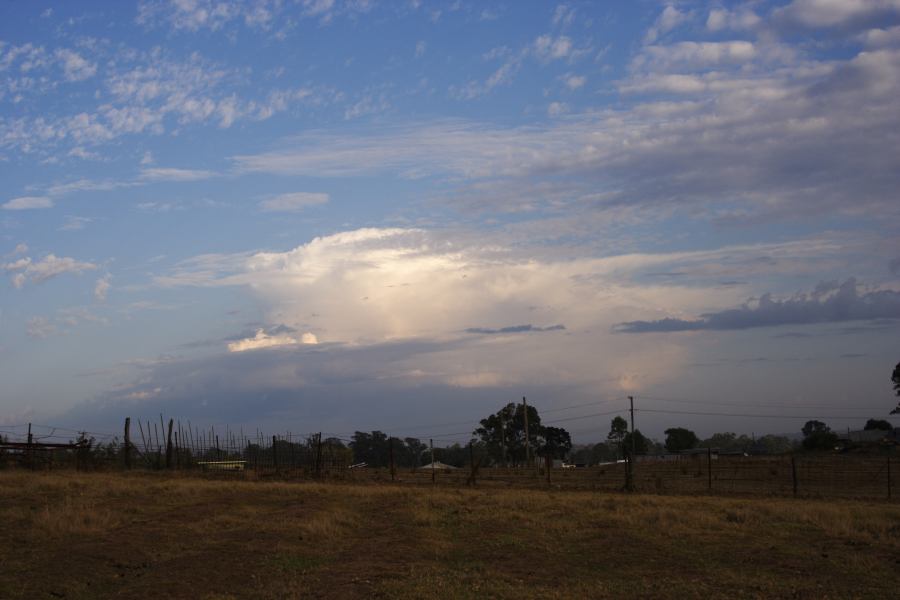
313 456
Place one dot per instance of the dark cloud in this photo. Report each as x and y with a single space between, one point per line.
830 302
514 329
894 266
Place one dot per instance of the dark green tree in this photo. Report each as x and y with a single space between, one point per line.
879 424
679 438
641 443
618 429
555 442
505 431
818 436
895 378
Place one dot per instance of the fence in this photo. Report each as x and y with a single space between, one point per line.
871 476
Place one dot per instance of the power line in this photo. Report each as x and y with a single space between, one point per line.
712 403
744 415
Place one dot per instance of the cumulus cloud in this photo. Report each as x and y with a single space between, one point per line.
514 329
815 14
48 267
28 203
40 327
293 202
830 302
668 19
101 288
264 340
173 174
75 67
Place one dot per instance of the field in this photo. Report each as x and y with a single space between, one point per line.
83 535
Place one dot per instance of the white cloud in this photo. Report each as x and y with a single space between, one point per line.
264 340
28 203
720 19
46 268
669 19
73 223
835 13
75 67
173 174
547 47
40 327
556 109
293 202
420 48
101 288
574 82
696 55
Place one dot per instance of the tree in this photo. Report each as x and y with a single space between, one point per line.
818 436
895 378
879 424
618 429
641 443
504 433
555 442
679 438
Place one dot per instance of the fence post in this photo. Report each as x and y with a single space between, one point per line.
431 445
889 476
391 455
472 462
169 446
319 455
709 469
548 461
127 442
794 473
30 453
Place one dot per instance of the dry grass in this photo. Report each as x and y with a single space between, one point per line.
93 536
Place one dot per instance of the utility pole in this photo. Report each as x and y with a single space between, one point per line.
630 464
431 445
527 432
503 440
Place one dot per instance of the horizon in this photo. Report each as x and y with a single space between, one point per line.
333 214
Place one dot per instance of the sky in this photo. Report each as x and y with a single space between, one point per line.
340 215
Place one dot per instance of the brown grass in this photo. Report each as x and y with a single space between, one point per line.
95 536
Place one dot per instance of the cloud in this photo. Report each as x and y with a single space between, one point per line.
293 202
44 269
547 47
514 329
74 223
668 19
830 302
75 67
28 203
171 174
816 14
265 340
101 288
420 48
720 19
40 327
574 82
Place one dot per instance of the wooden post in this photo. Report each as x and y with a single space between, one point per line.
128 442
169 445
794 473
218 451
274 453
318 455
30 453
709 469
889 476
527 432
549 462
431 445
391 455
472 462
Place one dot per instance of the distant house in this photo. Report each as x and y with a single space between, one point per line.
868 438
437 466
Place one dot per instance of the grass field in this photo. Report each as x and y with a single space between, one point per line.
71 535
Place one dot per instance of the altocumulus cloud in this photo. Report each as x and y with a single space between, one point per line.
829 303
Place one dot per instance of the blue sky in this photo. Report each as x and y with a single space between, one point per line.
337 215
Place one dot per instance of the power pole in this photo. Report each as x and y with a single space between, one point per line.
431 445
630 464
503 440
527 432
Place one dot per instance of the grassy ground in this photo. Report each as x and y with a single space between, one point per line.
71 535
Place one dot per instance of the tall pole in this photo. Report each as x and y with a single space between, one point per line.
503 441
527 432
431 445
630 464
631 400
127 442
